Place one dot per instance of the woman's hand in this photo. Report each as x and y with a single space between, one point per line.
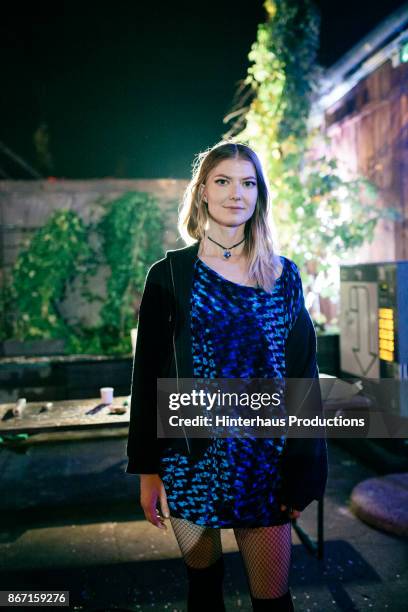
292 513
151 490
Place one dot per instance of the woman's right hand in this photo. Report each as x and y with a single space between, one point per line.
151 490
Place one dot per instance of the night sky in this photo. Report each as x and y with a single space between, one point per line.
135 90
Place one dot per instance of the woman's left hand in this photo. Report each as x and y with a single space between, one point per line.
293 514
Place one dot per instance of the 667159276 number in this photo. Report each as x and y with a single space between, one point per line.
34 598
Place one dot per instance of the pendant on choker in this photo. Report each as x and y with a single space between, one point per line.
227 250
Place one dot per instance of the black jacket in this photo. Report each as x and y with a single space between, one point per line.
163 350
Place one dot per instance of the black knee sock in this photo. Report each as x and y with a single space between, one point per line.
279 604
205 588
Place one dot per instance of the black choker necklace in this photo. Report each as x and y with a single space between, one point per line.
227 250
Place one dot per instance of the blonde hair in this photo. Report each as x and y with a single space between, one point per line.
193 214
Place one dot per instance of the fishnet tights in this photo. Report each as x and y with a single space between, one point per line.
265 551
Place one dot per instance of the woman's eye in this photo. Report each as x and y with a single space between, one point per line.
221 181
249 183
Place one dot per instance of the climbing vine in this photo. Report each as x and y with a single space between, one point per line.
126 239
132 232
320 216
41 274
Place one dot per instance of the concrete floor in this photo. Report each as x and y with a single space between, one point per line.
71 521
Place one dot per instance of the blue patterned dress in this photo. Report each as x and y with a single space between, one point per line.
237 332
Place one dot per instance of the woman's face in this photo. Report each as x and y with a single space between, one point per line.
231 191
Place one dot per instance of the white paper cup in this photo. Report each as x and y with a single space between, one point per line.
106 395
19 408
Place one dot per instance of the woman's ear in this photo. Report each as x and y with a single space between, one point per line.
202 193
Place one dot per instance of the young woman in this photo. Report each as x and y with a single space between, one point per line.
225 307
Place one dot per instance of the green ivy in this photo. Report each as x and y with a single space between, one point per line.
127 239
320 217
132 231
41 274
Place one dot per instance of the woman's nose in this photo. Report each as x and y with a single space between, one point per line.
235 192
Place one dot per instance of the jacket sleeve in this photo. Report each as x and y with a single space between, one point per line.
304 463
143 447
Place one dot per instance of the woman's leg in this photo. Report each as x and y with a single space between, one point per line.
202 553
266 552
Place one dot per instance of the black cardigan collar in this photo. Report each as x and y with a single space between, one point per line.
181 263
183 269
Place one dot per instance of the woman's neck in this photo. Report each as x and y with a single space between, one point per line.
225 236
